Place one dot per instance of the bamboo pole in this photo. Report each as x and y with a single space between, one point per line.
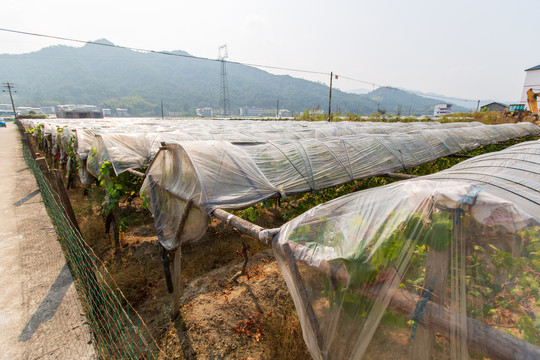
245 227
136 173
400 176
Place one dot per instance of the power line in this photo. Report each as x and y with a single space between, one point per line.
361 81
222 61
161 52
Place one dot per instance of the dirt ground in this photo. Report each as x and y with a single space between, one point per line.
250 318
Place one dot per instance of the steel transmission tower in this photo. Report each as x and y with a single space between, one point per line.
224 89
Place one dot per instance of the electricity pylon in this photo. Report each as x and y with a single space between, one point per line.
224 89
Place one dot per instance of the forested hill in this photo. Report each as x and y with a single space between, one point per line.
114 77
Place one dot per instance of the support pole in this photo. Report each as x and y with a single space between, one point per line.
245 227
435 283
136 173
177 260
330 98
177 281
400 176
285 251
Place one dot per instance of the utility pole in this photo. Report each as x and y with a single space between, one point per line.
277 109
477 105
330 97
162 117
9 87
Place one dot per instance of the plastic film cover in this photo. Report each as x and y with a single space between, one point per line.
443 266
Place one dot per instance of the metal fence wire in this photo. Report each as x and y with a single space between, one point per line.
117 330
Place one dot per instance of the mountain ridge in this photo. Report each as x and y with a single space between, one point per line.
110 77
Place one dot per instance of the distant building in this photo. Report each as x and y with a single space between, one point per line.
442 109
121 112
49 110
107 112
25 110
78 112
284 113
250 111
532 81
205 112
6 110
494 106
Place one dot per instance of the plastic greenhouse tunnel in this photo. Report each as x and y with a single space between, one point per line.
227 175
131 143
441 266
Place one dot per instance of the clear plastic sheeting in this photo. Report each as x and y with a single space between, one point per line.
236 175
125 151
60 130
446 266
168 207
179 182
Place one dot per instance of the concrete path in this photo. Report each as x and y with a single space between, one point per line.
40 314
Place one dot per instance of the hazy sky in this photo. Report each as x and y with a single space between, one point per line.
472 49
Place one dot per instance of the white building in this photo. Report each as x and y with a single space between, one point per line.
205 112
532 81
284 113
25 110
71 111
6 110
250 111
442 109
120 112
49 110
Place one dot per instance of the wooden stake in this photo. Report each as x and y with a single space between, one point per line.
64 198
44 168
286 253
30 145
435 281
177 281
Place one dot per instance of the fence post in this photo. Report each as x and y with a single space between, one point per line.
30 145
64 198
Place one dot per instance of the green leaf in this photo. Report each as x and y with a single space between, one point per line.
439 236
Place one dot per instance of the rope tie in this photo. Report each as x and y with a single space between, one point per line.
419 309
468 200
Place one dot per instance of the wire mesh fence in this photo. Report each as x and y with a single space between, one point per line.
117 330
